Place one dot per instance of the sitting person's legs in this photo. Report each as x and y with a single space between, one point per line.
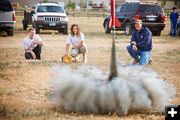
84 51
74 52
28 56
144 57
37 51
133 54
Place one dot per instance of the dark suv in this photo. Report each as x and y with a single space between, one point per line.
152 16
7 17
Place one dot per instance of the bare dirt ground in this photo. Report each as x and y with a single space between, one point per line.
24 85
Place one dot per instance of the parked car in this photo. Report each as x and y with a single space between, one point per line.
7 17
151 14
178 28
50 16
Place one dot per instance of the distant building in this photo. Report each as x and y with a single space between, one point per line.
33 2
167 4
81 3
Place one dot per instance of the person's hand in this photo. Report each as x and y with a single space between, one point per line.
66 53
75 46
133 43
134 47
34 43
33 55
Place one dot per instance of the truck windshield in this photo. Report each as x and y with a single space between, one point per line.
56 9
150 9
5 5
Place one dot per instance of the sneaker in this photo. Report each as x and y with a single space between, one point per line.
135 61
85 60
150 61
76 59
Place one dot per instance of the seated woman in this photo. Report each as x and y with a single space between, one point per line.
76 39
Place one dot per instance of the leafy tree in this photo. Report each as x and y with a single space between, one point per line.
45 1
70 5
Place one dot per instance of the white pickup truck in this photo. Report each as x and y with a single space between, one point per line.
7 17
50 16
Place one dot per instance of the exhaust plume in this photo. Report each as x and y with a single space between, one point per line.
86 89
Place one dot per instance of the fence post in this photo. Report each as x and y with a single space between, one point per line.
73 13
88 14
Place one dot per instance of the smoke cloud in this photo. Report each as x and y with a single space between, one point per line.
87 89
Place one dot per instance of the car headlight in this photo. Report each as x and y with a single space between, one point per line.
40 18
65 19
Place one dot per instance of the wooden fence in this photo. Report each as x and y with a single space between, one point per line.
87 12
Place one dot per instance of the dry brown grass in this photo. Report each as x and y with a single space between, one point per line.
24 85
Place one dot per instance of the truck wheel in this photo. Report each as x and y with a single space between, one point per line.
156 32
159 33
10 32
65 31
106 28
37 29
59 30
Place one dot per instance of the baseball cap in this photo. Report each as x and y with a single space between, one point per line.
138 21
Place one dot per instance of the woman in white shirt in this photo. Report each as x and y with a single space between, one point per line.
76 39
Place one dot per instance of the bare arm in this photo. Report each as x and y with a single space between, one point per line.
67 49
81 44
40 43
30 49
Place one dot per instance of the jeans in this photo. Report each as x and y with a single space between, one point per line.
144 55
76 51
173 29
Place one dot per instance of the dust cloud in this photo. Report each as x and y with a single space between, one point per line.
86 89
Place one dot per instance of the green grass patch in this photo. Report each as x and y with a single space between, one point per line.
3 65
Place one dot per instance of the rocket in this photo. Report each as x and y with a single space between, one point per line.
113 23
